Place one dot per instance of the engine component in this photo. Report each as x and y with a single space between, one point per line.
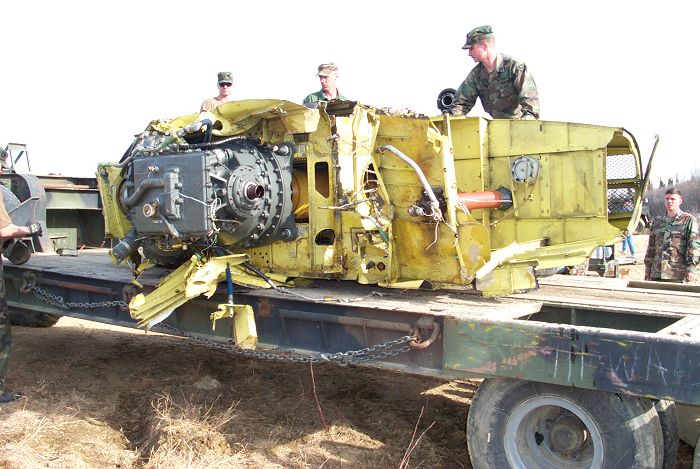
126 247
525 169
238 188
446 99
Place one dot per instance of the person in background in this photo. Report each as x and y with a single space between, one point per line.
225 83
627 241
328 76
8 230
503 84
673 254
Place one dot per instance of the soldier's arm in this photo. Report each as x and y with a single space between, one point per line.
10 230
528 96
465 97
650 254
692 260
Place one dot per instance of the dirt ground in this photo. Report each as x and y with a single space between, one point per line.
108 397
633 271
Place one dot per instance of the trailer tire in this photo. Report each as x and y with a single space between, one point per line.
32 318
668 418
524 424
641 226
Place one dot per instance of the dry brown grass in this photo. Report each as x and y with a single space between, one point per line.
30 439
188 435
106 397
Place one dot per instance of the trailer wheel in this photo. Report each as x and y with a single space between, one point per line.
32 318
523 424
668 418
641 226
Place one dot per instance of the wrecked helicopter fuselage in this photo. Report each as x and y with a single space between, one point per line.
351 192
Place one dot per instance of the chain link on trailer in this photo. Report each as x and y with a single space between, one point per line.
56 300
387 349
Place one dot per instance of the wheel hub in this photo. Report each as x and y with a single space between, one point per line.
567 434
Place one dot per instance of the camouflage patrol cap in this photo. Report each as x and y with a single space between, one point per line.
478 34
327 69
225 77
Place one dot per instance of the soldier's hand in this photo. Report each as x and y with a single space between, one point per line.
34 229
691 277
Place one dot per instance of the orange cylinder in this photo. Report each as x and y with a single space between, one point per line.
486 199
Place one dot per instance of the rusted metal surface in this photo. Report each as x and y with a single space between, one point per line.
630 362
668 286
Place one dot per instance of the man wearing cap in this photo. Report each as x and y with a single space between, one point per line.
225 82
673 252
504 85
327 75
8 230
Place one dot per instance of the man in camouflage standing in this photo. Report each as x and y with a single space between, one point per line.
504 85
8 230
673 254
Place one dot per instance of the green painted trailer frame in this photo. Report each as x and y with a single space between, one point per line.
645 342
588 334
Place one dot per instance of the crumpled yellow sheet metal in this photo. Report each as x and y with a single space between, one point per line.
236 117
245 332
193 278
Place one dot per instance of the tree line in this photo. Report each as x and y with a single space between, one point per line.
690 190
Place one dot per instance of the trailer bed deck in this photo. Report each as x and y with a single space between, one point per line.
595 333
609 294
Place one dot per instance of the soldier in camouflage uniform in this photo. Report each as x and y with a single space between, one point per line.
673 254
8 230
504 85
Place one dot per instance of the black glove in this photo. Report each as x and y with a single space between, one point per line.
34 229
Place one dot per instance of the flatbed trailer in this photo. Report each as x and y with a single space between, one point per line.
562 364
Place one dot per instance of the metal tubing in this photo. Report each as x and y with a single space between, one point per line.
346 321
83 287
199 146
670 286
147 184
434 204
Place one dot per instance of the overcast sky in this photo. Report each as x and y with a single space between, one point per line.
79 79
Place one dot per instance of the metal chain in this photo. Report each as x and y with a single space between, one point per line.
376 352
56 300
387 349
